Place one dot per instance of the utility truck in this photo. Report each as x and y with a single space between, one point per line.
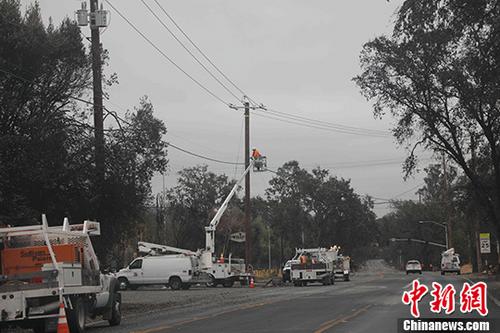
315 265
343 267
450 262
203 265
43 267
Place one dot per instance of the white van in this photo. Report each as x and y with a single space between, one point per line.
175 271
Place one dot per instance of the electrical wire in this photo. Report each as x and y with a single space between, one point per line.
198 83
309 122
200 51
118 118
325 128
202 156
326 123
188 50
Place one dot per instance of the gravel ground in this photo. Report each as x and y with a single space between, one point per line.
152 299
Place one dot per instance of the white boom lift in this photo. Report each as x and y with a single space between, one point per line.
217 271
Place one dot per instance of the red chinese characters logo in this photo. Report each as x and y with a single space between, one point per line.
443 298
414 296
472 298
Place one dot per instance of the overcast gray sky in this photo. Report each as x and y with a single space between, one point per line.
293 56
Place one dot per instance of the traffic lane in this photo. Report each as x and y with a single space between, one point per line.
318 312
148 313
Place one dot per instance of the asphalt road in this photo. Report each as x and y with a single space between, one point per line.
368 303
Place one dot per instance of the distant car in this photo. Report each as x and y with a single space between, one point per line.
413 266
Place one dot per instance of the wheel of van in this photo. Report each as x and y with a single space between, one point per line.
186 286
116 310
76 316
228 283
175 283
326 281
212 283
123 283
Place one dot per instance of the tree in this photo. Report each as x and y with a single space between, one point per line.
314 209
192 202
47 142
438 76
41 70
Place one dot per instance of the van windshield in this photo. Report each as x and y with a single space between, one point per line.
136 264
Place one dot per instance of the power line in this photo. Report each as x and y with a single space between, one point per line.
198 83
202 156
199 50
321 127
118 118
309 122
189 51
326 123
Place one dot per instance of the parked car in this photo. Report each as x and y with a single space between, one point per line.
175 271
413 266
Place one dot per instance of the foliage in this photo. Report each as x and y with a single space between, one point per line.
47 143
191 204
315 209
438 76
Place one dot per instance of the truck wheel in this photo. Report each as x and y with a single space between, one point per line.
116 310
175 283
212 283
346 277
76 316
228 283
332 280
326 281
185 286
123 283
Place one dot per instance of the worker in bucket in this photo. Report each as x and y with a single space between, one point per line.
256 156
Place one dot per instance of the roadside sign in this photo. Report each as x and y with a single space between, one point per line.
238 237
484 242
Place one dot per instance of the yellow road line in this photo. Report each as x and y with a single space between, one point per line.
329 324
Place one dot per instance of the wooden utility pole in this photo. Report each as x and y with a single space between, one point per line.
248 230
475 223
446 198
98 108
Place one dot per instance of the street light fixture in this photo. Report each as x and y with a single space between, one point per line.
444 225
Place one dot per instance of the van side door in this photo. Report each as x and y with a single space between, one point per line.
137 273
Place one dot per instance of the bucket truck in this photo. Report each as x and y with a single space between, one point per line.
315 265
205 267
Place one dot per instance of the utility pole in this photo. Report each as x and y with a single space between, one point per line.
446 198
98 108
476 225
248 230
